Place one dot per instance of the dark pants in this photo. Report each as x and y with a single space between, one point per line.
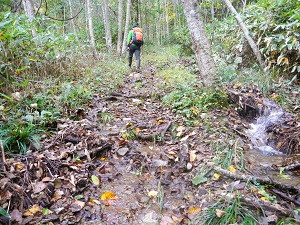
136 50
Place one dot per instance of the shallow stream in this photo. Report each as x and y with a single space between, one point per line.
263 152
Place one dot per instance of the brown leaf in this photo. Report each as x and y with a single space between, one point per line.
77 206
38 187
16 216
57 195
220 213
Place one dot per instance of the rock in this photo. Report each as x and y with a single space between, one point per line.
158 163
122 151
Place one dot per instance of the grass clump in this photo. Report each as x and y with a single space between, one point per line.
18 137
228 210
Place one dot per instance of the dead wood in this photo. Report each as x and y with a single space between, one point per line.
255 179
291 167
72 140
283 195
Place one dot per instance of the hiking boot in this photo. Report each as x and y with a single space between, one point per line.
138 64
129 61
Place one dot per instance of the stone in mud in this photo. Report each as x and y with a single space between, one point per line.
122 151
158 163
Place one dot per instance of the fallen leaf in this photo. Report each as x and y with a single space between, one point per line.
193 156
108 195
160 122
19 166
32 211
137 130
95 180
199 179
57 195
77 206
232 169
15 216
152 194
193 212
220 213
217 176
38 187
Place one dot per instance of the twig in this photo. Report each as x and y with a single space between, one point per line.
2 152
166 129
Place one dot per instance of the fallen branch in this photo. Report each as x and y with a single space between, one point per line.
260 180
282 195
291 167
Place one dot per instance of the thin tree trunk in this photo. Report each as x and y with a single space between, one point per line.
72 21
212 11
246 33
120 19
90 25
200 42
106 24
29 11
128 6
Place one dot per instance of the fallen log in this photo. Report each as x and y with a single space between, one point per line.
261 180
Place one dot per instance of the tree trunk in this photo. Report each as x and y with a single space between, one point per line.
90 25
29 11
106 24
200 41
246 33
120 19
128 5
72 21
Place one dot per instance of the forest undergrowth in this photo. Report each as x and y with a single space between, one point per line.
111 145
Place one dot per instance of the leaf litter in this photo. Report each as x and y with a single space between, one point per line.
135 168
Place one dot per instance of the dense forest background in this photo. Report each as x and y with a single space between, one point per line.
58 57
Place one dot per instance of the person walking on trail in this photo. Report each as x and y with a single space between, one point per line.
134 43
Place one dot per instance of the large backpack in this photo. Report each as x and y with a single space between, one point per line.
137 36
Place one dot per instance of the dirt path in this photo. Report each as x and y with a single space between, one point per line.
129 160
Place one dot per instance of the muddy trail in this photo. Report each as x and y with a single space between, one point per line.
127 159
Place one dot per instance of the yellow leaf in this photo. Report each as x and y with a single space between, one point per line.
124 136
108 195
279 144
193 156
19 166
217 176
238 84
159 122
32 211
102 159
137 129
232 169
264 199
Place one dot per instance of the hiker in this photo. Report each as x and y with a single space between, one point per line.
134 43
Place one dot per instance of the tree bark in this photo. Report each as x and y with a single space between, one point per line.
120 18
72 21
128 5
246 33
201 45
29 11
106 24
90 24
